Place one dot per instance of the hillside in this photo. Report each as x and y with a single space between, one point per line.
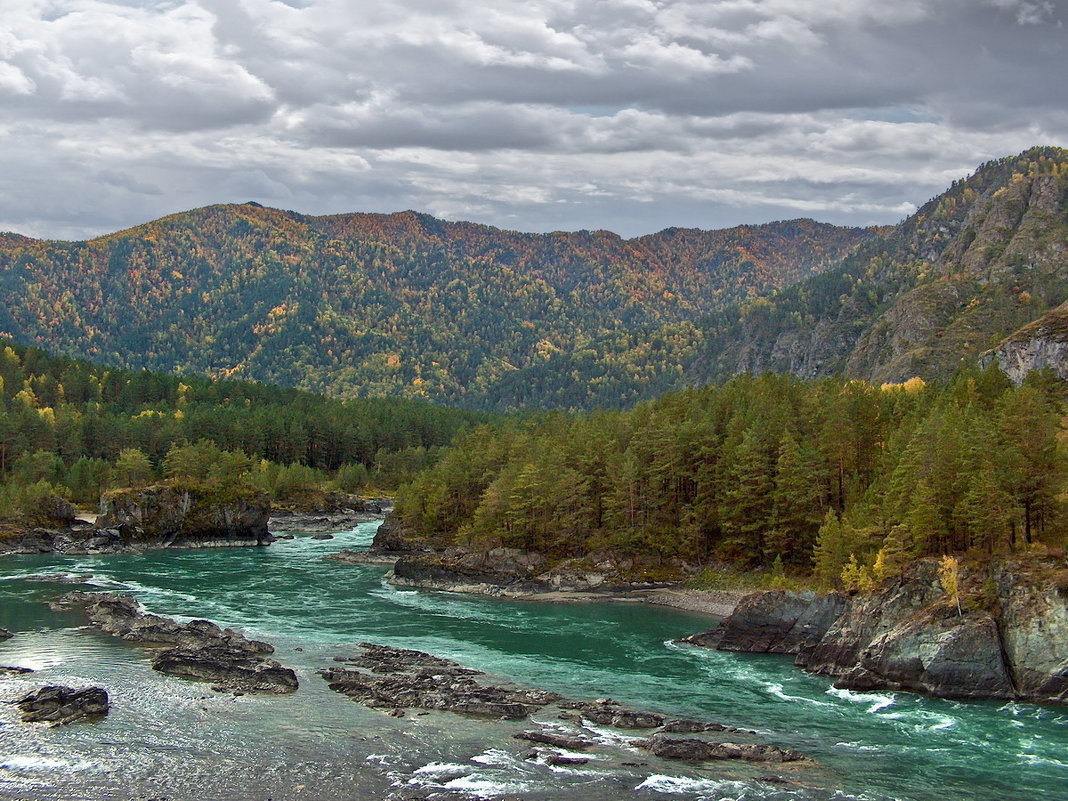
400 304
408 305
970 267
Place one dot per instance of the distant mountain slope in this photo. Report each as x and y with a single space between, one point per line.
971 266
400 304
405 304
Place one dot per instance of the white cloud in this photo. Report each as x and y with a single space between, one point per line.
536 114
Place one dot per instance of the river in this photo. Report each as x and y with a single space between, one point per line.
167 739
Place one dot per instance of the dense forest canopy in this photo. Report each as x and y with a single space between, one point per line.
403 304
79 428
765 469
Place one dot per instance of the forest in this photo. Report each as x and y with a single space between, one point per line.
839 479
73 429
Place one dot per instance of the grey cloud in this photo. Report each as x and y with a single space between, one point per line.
534 114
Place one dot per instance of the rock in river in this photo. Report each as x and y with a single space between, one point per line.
201 649
59 705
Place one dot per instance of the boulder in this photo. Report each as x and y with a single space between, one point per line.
5 634
229 669
392 537
401 678
60 705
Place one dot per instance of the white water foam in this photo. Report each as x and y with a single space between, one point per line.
777 690
39 763
682 785
877 701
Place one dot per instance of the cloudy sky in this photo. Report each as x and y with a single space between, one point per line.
630 115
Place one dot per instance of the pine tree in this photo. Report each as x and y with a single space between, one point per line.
747 506
795 516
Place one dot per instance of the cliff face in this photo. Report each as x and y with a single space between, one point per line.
187 517
1010 642
1041 344
969 268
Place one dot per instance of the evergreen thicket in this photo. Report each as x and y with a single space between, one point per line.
75 429
841 477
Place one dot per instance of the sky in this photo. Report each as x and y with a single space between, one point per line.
536 115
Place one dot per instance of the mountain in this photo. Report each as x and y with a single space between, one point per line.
400 304
408 305
973 265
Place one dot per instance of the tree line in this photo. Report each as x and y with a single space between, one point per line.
76 429
838 477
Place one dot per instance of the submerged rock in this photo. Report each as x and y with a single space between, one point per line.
201 649
6 670
555 740
60 705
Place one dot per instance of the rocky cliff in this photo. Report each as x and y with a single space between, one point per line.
969 268
1010 639
1038 345
168 515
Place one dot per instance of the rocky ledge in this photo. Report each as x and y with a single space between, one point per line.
335 511
197 650
1010 640
399 679
57 705
160 516
514 573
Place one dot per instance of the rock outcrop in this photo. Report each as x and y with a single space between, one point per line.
1040 344
512 572
405 679
775 622
198 649
397 679
5 634
57 705
694 750
330 511
1010 644
170 515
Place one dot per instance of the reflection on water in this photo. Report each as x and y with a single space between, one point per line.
173 739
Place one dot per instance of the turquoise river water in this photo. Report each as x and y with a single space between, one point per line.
167 739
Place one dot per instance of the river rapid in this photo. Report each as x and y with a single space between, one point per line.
167 739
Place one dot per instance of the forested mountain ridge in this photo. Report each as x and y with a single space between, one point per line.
970 267
408 305
400 304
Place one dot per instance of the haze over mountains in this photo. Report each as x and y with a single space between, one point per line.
409 305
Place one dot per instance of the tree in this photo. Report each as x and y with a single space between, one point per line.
949 578
795 514
132 468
